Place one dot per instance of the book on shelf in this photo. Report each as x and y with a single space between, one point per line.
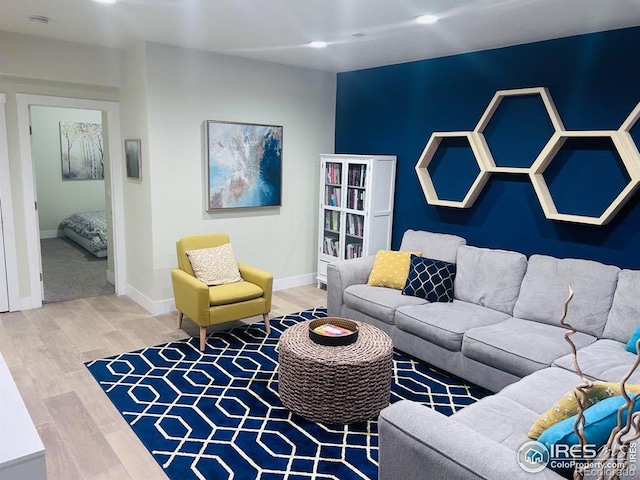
334 173
331 330
357 175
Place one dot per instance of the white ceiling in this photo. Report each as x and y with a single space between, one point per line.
278 30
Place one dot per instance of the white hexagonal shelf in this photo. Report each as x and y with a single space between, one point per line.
629 160
480 155
554 117
625 131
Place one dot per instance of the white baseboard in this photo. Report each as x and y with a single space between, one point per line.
48 234
111 277
291 282
168 305
153 307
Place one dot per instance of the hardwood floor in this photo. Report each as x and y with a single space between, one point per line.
85 437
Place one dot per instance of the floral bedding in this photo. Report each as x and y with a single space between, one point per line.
89 225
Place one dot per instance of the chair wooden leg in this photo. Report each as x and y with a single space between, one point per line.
203 338
266 322
180 315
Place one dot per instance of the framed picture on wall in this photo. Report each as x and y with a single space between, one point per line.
244 165
132 155
81 151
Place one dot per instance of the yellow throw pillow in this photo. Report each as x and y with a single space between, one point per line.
390 269
567 406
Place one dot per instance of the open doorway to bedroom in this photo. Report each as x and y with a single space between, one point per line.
69 166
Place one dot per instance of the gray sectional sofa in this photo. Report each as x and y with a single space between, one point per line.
501 332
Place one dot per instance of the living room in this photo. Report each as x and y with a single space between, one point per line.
165 93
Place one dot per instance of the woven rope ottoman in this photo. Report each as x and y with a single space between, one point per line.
345 384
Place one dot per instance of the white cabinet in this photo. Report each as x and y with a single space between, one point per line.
21 450
356 207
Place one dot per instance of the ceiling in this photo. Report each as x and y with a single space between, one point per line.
360 33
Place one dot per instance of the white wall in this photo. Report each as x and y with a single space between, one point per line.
187 87
42 66
47 59
58 198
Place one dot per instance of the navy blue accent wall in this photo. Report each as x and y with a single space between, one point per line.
595 83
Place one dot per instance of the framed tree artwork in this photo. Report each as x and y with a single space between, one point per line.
132 155
81 151
244 165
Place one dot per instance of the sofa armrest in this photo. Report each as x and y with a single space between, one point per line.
419 443
191 296
260 278
342 274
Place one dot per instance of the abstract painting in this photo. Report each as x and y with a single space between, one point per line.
132 154
244 164
81 151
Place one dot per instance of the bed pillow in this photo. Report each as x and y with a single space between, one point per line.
430 279
214 266
390 269
568 405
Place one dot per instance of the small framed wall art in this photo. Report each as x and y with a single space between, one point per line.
244 165
133 158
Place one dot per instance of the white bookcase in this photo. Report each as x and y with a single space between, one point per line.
356 207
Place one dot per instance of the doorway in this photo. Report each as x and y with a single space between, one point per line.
113 187
69 167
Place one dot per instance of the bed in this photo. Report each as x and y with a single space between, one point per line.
89 230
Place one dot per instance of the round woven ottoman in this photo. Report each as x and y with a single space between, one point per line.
345 384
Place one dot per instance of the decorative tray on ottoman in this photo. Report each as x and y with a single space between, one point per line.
333 331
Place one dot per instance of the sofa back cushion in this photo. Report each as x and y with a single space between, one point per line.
490 278
546 286
438 246
624 315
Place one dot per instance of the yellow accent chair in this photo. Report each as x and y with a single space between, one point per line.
207 305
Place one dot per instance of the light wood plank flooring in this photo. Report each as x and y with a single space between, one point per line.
85 437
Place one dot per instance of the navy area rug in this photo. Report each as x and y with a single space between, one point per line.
216 414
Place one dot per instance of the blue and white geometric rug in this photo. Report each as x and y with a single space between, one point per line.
217 415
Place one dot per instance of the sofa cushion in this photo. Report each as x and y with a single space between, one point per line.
439 246
518 346
378 302
234 293
445 323
546 286
430 279
490 278
605 360
498 418
549 384
624 316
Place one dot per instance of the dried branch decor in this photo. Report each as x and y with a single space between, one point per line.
613 456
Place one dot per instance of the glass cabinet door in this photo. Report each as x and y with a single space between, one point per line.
331 236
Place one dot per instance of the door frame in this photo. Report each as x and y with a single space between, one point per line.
6 206
115 191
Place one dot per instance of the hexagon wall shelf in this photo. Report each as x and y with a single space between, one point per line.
492 108
426 182
547 156
629 125
626 148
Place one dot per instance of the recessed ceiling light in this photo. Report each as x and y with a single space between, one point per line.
39 19
105 1
318 44
427 19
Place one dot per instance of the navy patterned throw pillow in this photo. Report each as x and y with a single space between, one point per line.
430 279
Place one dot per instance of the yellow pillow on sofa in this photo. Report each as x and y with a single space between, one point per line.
390 269
567 406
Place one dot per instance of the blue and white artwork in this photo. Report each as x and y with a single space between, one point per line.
244 165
